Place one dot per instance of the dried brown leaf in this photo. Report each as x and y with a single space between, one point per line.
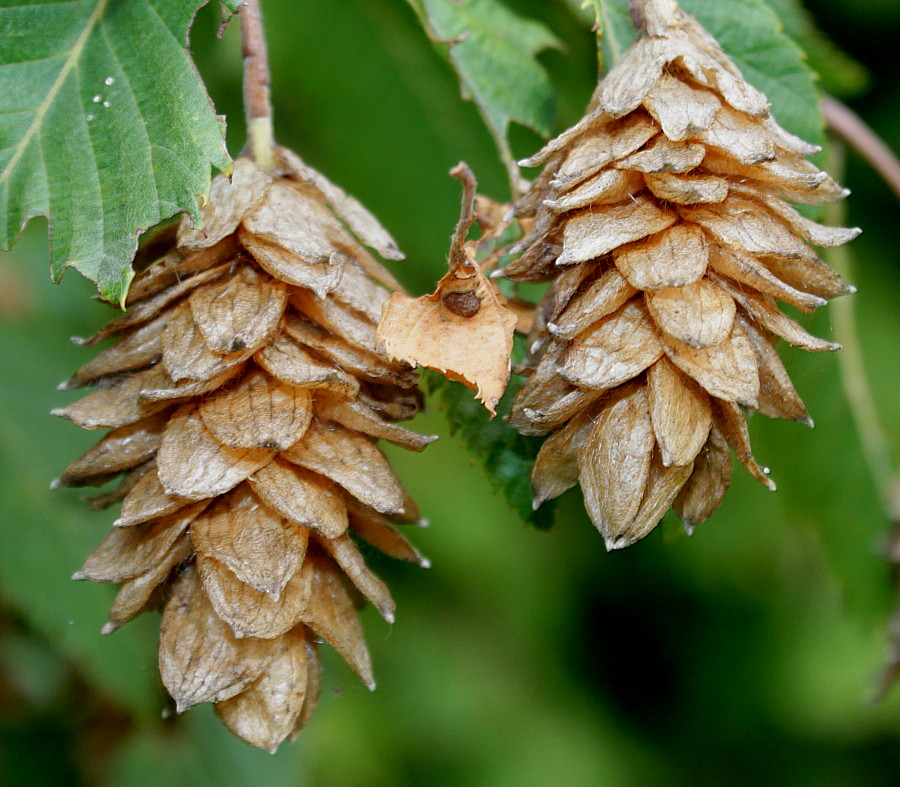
320 277
606 187
672 258
349 325
193 464
302 497
681 110
375 529
359 417
200 659
635 74
605 295
680 412
663 155
733 426
740 136
148 500
159 387
556 466
463 330
185 354
686 189
260 412
352 461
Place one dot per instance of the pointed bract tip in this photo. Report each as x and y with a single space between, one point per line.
59 412
688 528
809 422
423 523
370 684
424 562
388 616
613 544
79 341
79 575
65 385
56 483
108 628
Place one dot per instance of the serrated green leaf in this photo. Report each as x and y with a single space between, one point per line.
494 55
232 5
839 73
507 456
752 36
105 128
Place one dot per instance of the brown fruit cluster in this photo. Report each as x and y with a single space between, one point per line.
245 393
661 218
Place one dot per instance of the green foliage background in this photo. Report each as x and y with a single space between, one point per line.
743 655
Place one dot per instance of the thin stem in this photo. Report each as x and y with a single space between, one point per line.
464 175
854 131
257 105
853 373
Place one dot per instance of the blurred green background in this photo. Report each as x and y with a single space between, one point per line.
747 654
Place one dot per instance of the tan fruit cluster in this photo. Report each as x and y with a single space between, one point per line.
662 219
245 394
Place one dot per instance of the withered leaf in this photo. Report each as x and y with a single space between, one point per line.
332 616
680 412
672 258
158 387
352 461
350 560
556 466
129 551
614 462
356 290
681 110
740 136
463 330
229 201
260 412
633 76
699 314
249 613
136 594
126 484
604 296
148 500
375 529
727 369
597 231
614 350
733 426
239 312
266 713
321 277
359 417
120 450
259 547
313 681
555 412
302 497
193 464
704 491
353 328
295 366
200 659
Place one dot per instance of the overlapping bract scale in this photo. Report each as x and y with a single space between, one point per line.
245 394
661 221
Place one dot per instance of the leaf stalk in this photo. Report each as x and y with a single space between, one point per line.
257 104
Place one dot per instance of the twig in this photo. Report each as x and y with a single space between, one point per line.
257 106
464 175
853 130
853 372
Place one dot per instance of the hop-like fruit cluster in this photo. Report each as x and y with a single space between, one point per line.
662 219
244 394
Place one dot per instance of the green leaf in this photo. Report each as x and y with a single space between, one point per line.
494 55
506 455
232 5
105 128
753 37
839 73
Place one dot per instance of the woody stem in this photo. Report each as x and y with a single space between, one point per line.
257 105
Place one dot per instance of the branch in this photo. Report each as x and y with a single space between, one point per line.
257 106
854 131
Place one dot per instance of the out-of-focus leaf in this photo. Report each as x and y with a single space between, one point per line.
105 128
507 456
232 5
493 51
839 73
